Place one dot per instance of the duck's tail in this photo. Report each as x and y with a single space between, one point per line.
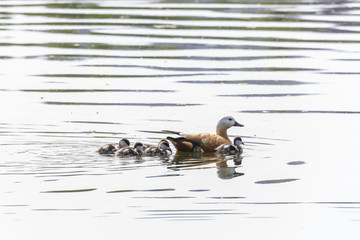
185 145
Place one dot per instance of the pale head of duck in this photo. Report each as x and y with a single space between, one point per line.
124 142
238 141
228 122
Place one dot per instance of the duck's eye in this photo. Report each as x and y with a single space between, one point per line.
230 119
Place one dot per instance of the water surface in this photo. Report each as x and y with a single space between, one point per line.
75 76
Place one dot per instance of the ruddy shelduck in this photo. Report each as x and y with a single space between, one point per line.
206 141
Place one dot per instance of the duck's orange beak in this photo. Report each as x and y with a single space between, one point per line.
238 124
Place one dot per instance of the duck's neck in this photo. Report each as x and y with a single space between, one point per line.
222 131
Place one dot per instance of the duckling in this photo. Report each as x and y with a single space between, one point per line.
111 148
124 142
137 150
231 148
206 141
161 149
107 149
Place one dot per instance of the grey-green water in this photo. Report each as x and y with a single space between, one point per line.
79 74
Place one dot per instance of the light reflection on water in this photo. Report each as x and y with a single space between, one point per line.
75 76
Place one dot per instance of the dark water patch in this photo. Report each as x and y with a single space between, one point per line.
14 205
285 203
171 17
97 90
296 163
163 120
341 73
193 27
92 122
79 57
249 82
64 132
165 175
235 6
189 69
199 190
266 95
251 39
152 47
71 191
146 190
171 197
300 111
347 59
227 197
123 104
117 76
275 181
188 214
60 209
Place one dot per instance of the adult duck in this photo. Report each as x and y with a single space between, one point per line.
206 141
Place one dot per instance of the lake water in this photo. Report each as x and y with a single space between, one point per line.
79 74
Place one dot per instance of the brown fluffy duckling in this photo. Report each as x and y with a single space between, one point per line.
107 149
111 148
137 150
231 148
162 149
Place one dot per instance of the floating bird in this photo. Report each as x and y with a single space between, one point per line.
111 148
124 142
206 141
231 148
161 149
137 150
107 149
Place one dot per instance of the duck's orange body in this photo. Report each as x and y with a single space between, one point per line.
206 141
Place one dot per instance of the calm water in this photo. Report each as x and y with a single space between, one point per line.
79 74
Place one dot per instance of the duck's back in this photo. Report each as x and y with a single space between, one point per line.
207 141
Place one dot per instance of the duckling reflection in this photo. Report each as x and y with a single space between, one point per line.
196 160
226 172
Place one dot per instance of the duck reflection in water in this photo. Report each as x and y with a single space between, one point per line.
200 160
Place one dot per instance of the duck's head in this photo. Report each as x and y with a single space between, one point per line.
138 146
228 122
238 141
124 142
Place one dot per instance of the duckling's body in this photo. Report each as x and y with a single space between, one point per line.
137 150
161 149
206 141
107 149
231 148
112 148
